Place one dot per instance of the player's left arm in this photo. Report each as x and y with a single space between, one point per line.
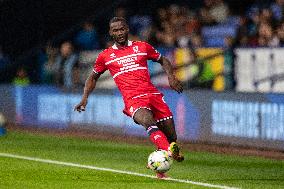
174 83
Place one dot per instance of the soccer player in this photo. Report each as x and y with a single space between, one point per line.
127 62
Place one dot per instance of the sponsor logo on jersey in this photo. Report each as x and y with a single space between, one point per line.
127 60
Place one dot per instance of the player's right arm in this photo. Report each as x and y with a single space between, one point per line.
154 55
90 85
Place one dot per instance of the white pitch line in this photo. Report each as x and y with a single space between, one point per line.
111 170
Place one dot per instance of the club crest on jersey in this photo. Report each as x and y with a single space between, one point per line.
135 49
112 55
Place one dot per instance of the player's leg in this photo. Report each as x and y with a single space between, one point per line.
168 128
164 117
145 118
142 114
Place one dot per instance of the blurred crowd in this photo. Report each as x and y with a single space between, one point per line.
178 26
174 26
262 26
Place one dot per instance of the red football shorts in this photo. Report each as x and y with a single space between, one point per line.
154 102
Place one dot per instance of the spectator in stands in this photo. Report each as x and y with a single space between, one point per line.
277 10
280 34
139 24
193 25
253 23
164 30
172 29
161 17
86 38
267 38
149 35
178 19
183 41
241 39
66 66
218 10
21 78
266 16
50 69
205 16
196 41
180 28
252 27
214 12
166 36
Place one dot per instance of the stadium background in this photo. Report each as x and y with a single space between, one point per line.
231 65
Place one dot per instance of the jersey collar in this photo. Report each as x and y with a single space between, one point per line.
129 43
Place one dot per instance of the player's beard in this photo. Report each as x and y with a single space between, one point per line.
121 40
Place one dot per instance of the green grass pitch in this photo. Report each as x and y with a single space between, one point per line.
216 169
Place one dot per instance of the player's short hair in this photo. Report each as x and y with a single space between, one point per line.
117 19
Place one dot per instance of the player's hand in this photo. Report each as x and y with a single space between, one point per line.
175 84
81 106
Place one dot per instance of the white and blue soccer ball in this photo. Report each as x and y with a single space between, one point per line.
160 161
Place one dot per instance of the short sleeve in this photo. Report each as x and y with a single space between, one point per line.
152 53
99 65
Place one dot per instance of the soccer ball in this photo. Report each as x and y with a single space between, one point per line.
159 161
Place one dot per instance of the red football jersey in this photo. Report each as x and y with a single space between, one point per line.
128 67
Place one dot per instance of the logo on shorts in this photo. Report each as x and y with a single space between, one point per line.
131 109
163 99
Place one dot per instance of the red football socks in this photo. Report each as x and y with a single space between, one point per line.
158 138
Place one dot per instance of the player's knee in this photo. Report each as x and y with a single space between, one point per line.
147 122
145 118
